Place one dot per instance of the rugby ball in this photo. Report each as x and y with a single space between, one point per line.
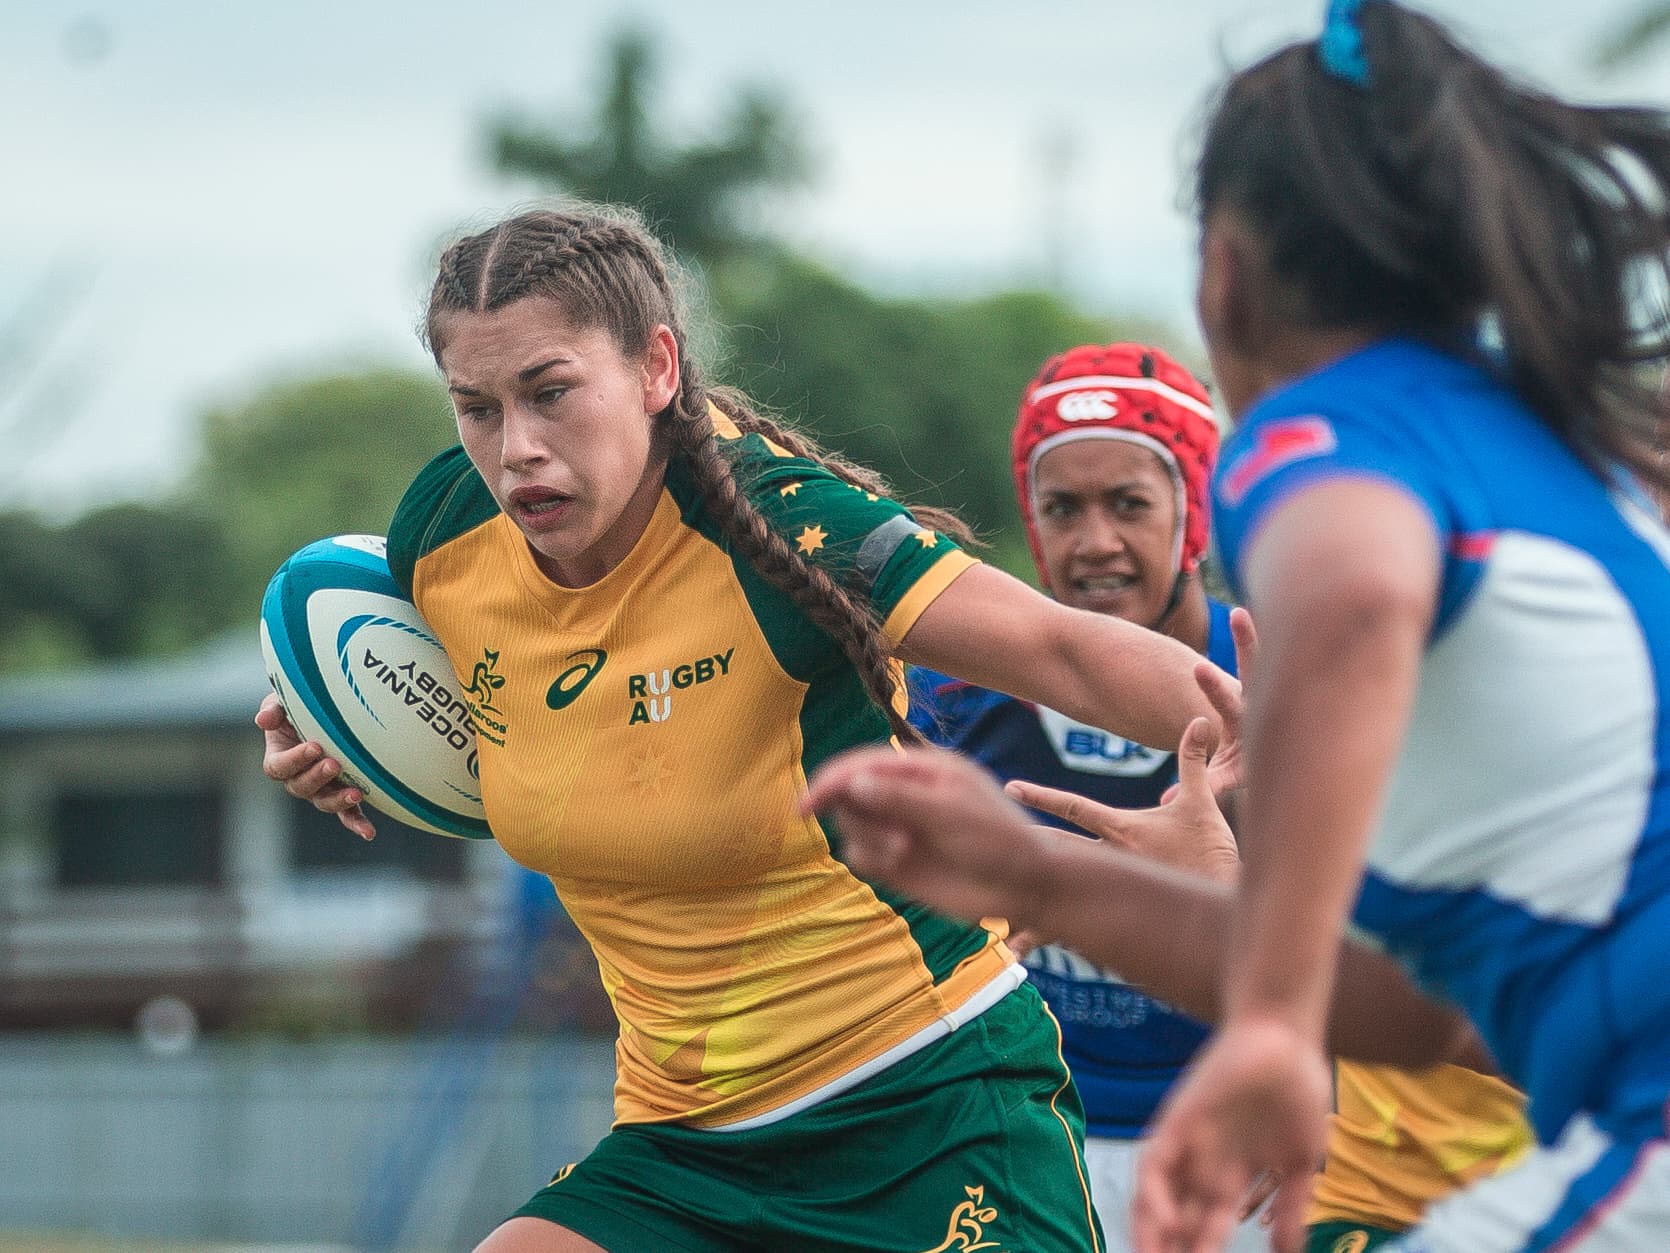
358 670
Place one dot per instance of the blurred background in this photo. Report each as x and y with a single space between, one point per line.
224 1022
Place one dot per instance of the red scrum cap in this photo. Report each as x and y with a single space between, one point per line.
1122 391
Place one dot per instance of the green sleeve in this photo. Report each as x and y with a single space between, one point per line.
868 544
446 499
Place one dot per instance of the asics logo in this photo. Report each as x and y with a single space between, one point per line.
1087 406
572 681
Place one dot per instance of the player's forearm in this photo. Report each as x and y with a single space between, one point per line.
1137 683
1379 1015
1167 932
992 630
1159 928
1335 686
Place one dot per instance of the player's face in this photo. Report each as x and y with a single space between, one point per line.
1107 520
560 425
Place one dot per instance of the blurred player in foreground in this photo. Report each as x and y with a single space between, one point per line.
1114 447
688 609
1459 722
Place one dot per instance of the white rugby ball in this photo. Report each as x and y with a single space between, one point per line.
358 670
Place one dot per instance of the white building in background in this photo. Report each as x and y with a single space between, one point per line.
144 854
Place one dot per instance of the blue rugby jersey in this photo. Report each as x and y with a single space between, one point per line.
1521 864
1123 1047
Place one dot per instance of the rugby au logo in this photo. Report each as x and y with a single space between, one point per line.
651 693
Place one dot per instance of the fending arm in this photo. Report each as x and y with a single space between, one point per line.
1167 932
936 826
991 629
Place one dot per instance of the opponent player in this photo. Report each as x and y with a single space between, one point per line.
1113 451
1465 611
689 609
1112 454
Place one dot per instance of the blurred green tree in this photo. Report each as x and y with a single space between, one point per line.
923 390
698 196
1633 38
123 579
298 460
149 576
305 458
35 632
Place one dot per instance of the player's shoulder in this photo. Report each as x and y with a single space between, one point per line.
1220 641
934 685
951 695
1387 386
1391 407
765 473
445 500
770 475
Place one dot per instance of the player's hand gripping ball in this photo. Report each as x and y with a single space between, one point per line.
358 670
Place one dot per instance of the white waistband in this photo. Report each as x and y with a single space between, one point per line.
1001 984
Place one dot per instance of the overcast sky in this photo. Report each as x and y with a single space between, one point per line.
217 194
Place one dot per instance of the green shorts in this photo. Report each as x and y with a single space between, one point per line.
976 1141
1347 1237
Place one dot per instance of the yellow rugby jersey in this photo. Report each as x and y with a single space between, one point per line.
644 742
1401 1140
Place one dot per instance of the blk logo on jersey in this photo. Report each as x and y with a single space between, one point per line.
485 682
651 693
1095 751
586 662
1276 444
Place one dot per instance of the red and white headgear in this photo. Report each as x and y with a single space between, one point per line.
1122 391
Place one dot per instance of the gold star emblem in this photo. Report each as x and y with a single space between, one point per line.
649 772
790 490
811 539
927 538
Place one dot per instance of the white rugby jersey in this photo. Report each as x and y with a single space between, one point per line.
1521 866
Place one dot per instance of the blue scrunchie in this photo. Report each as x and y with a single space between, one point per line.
1341 43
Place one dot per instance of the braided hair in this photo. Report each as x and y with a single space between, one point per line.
606 270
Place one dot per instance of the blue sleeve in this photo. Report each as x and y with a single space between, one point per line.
1278 453
1220 640
928 712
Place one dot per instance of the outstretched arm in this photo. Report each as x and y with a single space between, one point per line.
1349 572
991 629
1188 834
1344 575
936 827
